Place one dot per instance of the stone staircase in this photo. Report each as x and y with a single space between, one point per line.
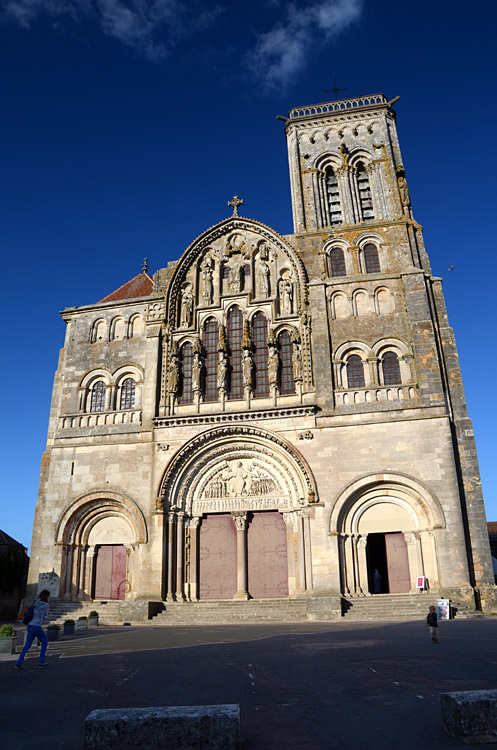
108 612
397 607
229 612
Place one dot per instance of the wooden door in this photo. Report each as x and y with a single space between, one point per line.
399 579
267 556
217 557
110 573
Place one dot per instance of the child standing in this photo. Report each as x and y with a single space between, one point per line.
432 622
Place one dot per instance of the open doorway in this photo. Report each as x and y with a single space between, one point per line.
387 554
376 555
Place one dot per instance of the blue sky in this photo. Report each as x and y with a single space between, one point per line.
127 125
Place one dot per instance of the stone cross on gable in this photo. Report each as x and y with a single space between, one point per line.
235 203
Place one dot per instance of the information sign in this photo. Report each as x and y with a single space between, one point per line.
443 609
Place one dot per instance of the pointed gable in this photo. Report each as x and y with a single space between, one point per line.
140 286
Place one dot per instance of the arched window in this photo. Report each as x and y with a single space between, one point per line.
259 345
337 261
210 341
287 383
98 396
371 259
127 394
355 372
333 196
391 369
235 335
365 199
186 360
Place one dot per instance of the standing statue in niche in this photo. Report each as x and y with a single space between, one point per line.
404 191
247 364
173 374
186 307
297 361
235 279
264 279
207 288
286 296
196 372
222 370
273 362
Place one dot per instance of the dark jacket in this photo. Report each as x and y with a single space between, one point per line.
431 620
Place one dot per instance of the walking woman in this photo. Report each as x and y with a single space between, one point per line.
35 630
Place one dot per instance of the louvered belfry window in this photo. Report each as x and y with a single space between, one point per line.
355 372
333 195
287 383
186 360
127 394
210 341
371 259
235 335
391 369
337 261
365 198
98 396
259 344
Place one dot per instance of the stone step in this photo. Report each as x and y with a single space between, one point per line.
226 611
397 607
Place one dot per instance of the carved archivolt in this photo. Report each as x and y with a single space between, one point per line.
242 468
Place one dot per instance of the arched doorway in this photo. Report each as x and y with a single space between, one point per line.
235 501
386 532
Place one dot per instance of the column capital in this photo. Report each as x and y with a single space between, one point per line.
240 518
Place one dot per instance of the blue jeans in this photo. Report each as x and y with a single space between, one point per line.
34 631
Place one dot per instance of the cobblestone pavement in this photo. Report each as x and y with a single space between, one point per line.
310 685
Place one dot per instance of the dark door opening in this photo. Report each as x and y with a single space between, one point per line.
376 556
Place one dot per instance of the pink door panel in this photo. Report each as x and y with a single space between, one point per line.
267 556
217 557
399 580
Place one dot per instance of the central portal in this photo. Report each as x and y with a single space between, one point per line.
266 559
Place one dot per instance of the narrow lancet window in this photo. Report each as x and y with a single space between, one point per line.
333 197
391 369
371 259
127 400
186 360
287 382
235 335
365 198
210 341
355 372
98 396
259 344
337 262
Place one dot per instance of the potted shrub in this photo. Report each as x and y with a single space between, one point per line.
82 623
93 619
69 627
53 632
8 639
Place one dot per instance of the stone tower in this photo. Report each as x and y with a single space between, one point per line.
271 417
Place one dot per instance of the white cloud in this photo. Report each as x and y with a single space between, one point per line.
281 52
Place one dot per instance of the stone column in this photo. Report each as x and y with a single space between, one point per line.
342 542
355 562
109 393
170 556
301 552
373 371
82 573
349 561
436 570
306 527
346 196
68 554
194 525
180 544
362 566
289 519
82 399
241 524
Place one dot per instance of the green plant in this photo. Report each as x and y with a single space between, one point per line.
82 617
93 613
7 631
53 626
68 622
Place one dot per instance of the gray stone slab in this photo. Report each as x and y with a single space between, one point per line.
470 716
178 727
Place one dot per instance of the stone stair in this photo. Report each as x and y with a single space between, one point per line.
397 607
108 612
229 612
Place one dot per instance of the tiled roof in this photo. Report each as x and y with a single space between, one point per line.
492 527
141 286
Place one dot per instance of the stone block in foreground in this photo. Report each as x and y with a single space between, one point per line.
470 716
178 727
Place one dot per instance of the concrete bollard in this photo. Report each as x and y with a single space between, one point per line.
168 727
470 716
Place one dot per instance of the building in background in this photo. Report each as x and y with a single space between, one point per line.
14 563
271 416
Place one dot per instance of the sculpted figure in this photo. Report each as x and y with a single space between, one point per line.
264 278
404 191
222 370
286 296
186 307
247 364
234 279
173 374
297 362
196 372
273 362
207 288
237 480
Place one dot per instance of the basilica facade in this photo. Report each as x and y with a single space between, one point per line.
271 416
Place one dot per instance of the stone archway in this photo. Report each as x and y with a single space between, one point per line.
241 475
390 510
101 519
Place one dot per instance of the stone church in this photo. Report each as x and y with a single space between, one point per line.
271 417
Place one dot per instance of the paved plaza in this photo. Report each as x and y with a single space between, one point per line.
308 685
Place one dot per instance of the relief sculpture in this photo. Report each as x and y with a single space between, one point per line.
236 480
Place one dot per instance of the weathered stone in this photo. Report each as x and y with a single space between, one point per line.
470 716
164 728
